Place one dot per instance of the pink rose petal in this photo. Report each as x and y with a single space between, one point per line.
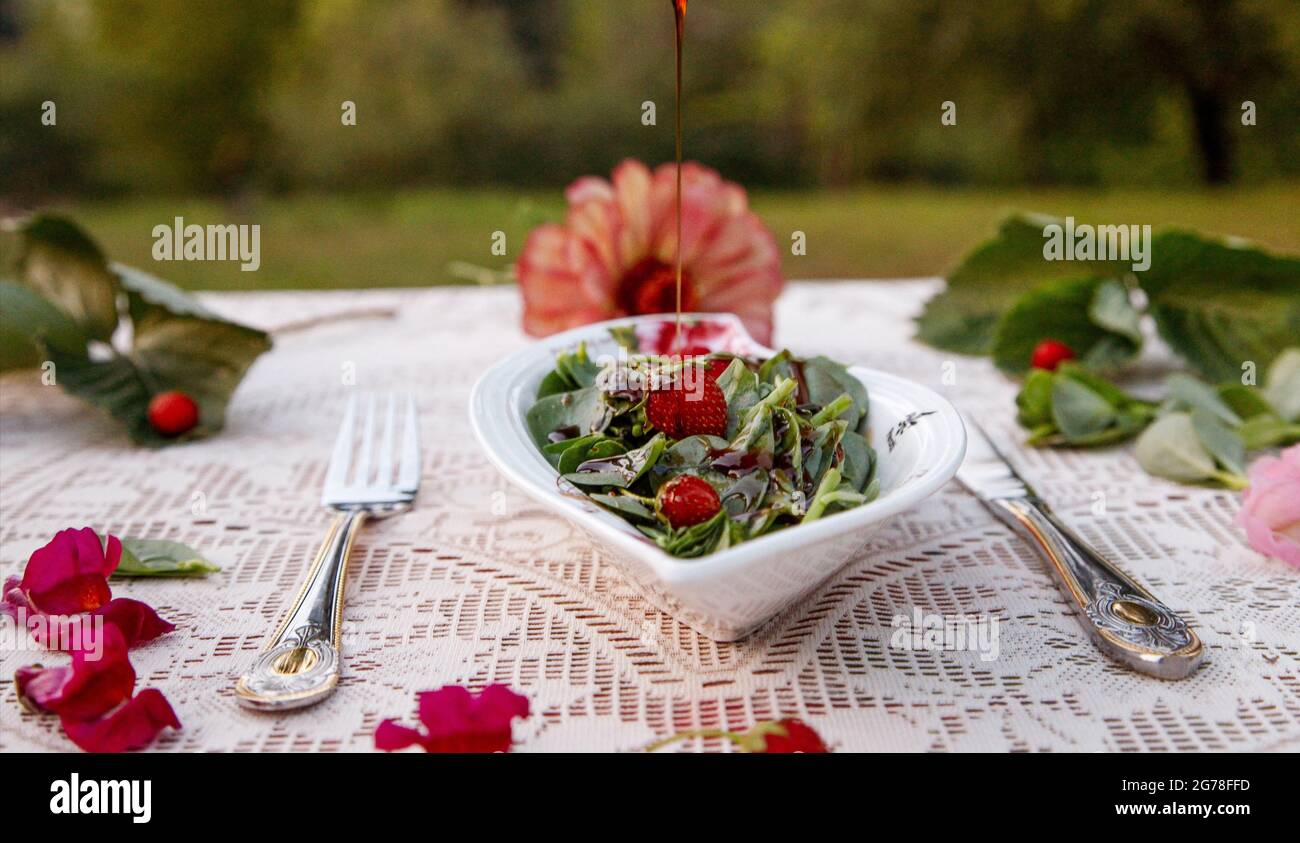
1270 506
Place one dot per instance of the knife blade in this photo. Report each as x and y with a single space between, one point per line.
1123 619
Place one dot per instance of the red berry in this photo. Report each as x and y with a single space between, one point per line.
173 413
798 737
1049 354
681 412
687 500
714 368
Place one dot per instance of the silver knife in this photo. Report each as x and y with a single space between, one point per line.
1123 619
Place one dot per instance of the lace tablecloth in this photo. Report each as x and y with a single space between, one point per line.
479 585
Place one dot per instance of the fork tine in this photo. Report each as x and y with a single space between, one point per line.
367 446
408 472
385 475
341 460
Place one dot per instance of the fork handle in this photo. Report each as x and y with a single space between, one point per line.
301 664
1123 619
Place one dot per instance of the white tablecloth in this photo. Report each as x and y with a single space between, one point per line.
479 585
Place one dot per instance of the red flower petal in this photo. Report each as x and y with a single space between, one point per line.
138 622
12 600
37 685
70 573
98 680
133 725
456 720
390 736
798 737
445 712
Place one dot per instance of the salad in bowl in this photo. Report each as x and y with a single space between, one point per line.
705 450
726 481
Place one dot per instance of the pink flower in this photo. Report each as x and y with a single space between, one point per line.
1270 506
93 698
616 254
70 574
455 720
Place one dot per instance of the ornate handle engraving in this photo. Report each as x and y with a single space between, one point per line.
301 664
1123 618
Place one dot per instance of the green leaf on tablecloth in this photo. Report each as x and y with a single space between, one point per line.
1222 304
1184 392
1173 448
1074 406
161 558
1093 316
1220 440
965 317
175 342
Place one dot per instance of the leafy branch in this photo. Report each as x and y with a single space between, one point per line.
114 336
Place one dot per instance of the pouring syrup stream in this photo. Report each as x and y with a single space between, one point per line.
679 13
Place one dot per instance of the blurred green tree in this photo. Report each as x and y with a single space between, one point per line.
218 97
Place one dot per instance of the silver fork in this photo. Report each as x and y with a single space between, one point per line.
301 664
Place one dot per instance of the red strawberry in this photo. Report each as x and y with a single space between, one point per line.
681 412
173 413
714 368
1049 354
687 500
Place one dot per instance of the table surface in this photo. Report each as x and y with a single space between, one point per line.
479 585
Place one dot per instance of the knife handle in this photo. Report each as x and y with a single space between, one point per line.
1123 619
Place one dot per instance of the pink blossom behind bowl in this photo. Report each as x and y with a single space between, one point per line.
1270 506
616 253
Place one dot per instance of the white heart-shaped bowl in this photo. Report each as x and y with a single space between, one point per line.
918 436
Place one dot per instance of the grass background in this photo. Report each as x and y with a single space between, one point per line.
413 238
